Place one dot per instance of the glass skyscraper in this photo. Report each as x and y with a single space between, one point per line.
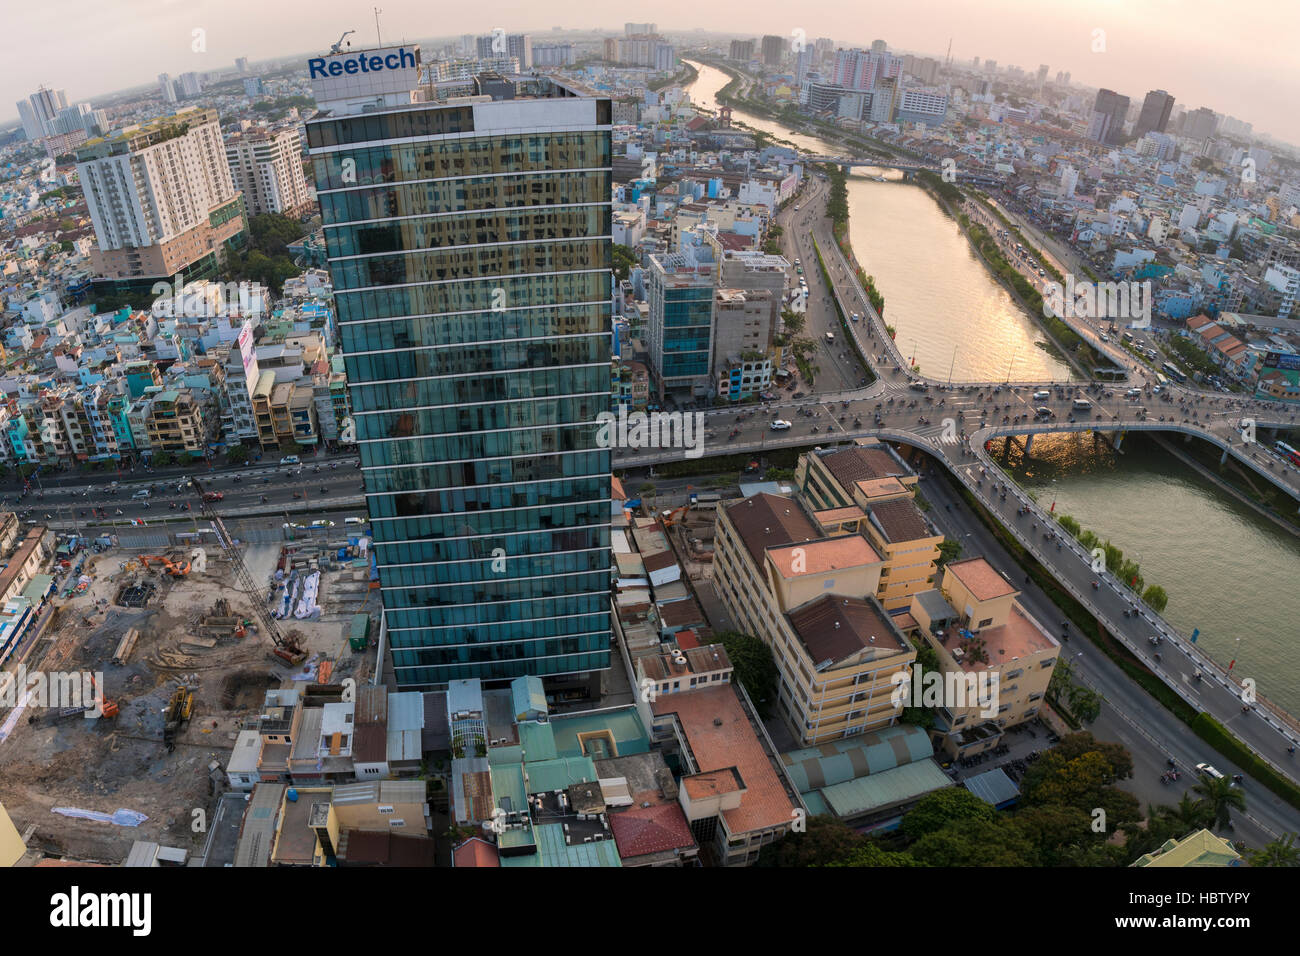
470 247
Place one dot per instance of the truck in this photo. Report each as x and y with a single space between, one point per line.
830 337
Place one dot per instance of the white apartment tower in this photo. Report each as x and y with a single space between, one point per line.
267 169
161 197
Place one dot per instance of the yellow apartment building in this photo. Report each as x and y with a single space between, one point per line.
810 596
982 633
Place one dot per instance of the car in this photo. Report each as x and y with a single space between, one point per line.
796 262
1205 770
142 493
1042 396
780 425
292 524
290 460
1133 393
213 496
354 520
1042 411
918 386
1103 336
799 269
322 523
855 317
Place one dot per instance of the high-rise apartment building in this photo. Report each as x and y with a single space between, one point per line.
167 88
189 84
1108 112
773 50
40 112
471 262
864 70
742 51
679 333
1154 117
267 169
517 45
161 198
1200 124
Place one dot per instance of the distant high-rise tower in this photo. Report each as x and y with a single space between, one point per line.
1042 74
773 50
879 46
1108 112
1154 117
41 114
167 88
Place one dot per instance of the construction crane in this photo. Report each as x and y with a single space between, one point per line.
338 47
286 648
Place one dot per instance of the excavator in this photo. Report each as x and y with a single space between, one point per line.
177 714
287 648
176 570
670 518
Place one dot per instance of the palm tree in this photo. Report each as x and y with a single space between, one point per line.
1222 798
1188 815
1281 852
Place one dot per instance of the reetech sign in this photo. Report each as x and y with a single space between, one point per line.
352 64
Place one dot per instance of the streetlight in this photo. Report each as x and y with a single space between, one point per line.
1012 363
953 364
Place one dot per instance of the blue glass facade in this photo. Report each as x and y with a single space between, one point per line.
472 269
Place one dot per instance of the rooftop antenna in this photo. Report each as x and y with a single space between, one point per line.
338 47
377 36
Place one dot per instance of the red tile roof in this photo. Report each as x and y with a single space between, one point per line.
720 736
475 852
644 830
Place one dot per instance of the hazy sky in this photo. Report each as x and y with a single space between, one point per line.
1235 56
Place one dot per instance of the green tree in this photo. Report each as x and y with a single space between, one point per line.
1085 703
237 454
1055 832
794 322
990 842
825 841
1187 815
1156 598
941 808
870 854
624 261
1222 798
1280 852
163 458
949 550
1070 525
755 670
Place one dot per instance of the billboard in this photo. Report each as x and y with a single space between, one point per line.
248 353
1279 377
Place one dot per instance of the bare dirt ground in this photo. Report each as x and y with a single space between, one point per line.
109 763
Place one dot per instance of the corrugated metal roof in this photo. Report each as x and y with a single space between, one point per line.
537 740
559 773
528 695
552 851
402 791
404 745
464 695
257 834
838 761
993 786
352 794
406 711
247 750
307 742
854 797
504 756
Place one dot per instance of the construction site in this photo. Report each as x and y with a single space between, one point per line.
187 641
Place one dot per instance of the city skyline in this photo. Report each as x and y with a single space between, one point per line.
1198 67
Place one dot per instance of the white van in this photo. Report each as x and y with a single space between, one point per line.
1081 404
1042 396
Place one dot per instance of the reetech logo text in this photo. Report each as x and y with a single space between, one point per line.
360 63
